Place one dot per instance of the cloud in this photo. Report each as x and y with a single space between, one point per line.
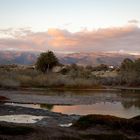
61 38
108 39
133 21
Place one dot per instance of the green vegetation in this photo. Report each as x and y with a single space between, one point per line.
46 61
47 106
130 72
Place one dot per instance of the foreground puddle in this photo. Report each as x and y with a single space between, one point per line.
21 118
65 125
104 108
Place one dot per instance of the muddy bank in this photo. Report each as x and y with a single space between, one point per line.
112 122
98 131
53 126
49 118
3 99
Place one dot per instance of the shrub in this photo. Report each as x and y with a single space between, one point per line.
24 80
10 83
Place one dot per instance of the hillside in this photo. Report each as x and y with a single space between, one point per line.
96 58
93 58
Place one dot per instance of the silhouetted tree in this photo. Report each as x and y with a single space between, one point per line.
127 65
130 72
46 61
137 66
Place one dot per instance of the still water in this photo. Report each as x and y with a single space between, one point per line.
125 105
116 109
21 118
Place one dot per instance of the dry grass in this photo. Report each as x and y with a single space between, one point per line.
32 78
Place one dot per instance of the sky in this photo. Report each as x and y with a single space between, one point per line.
70 25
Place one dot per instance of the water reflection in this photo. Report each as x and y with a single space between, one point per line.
105 108
21 118
130 100
129 104
47 106
112 103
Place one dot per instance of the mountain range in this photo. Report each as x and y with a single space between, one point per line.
92 58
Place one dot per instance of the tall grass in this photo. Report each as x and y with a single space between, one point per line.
33 78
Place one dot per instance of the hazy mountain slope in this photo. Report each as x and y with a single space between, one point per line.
94 58
9 57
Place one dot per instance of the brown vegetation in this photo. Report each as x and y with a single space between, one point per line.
15 78
72 76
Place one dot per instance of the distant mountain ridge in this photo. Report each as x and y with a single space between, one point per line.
96 58
93 58
15 57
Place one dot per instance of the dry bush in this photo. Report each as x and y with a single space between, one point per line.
10 83
40 80
55 80
24 80
33 78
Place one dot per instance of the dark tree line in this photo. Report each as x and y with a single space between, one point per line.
130 72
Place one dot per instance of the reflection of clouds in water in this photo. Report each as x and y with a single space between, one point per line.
105 108
111 103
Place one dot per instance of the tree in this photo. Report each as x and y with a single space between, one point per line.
130 72
101 67
46 61
137 66
127 65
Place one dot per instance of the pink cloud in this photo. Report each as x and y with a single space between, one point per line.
109 39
